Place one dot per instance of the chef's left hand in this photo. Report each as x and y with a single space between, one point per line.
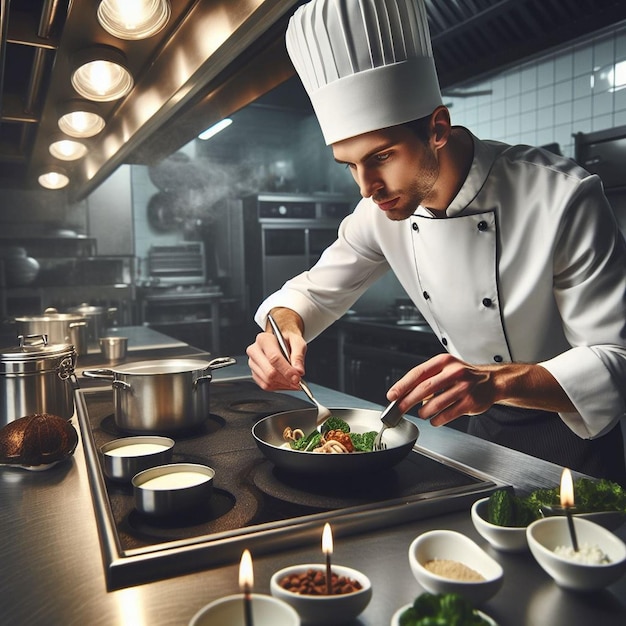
449 388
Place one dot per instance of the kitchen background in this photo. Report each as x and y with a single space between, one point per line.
274 146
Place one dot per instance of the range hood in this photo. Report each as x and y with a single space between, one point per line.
213 58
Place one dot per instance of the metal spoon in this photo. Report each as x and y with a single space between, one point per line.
322 412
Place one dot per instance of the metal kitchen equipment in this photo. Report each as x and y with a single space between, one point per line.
284 234
98 319
268 434
60 328
36 377
390 418
161 396
322 412
177 264
254 504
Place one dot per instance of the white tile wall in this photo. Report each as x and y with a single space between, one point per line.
547 99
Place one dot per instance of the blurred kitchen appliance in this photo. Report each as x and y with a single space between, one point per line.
604 153
178 264
285 234
177 300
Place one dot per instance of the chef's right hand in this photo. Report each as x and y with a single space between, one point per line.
270 369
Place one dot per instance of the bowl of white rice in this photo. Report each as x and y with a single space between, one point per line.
593 559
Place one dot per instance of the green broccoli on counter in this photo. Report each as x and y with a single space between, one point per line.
590 496
447 609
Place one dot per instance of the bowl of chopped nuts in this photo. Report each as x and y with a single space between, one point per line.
304 588
598 561
446 561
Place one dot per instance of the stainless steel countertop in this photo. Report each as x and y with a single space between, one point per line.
53 571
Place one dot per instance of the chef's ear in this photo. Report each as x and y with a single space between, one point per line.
440 127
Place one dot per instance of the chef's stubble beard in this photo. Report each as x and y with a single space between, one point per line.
417 192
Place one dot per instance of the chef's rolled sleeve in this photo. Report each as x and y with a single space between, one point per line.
591 387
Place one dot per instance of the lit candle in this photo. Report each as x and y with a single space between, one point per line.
567 502
327 549
246 581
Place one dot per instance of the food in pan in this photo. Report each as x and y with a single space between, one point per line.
336 438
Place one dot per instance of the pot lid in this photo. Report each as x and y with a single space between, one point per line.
52 317
31 351
165 366
87 309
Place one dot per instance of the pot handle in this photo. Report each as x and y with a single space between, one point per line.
99 373
221 361
215 364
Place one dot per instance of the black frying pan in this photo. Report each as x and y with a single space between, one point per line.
268 434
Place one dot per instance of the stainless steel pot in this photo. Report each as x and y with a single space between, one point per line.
60 328
268 434
161 396
99 318
36 377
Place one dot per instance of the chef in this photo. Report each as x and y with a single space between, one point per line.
511 254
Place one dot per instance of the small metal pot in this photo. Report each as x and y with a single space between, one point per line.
60 328
177 488
99 318
123 458
161 396
36 377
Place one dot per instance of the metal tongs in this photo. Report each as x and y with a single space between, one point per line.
390 418
322 412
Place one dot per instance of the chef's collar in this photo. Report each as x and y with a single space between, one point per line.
476 177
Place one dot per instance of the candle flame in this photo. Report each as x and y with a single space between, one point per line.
246 574
327 540
567 489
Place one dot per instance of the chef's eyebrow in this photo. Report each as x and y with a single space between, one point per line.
369 155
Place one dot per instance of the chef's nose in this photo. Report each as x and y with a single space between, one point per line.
368 182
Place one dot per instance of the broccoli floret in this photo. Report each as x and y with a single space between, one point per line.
363 442
447 609
335 423
310 442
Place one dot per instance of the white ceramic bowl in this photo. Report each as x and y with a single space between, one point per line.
395 618
454 546
545 535
266 611
335 609
505 538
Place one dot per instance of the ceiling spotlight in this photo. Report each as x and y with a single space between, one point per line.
133 19
80 119
101 74
67 149
54 179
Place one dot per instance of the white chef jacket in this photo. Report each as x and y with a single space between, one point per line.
528 266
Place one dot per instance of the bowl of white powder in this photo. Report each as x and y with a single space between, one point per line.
597 560
446 561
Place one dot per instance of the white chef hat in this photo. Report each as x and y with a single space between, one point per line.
365 64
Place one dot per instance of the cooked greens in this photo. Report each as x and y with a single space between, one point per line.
591 496
446 609
362 442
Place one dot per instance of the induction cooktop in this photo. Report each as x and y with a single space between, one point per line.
254 504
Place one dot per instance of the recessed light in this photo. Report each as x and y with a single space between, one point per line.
101 74
133 19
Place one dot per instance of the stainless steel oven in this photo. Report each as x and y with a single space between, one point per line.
285 234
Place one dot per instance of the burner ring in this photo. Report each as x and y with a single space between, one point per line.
211 424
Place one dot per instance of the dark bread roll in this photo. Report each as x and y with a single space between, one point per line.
38 439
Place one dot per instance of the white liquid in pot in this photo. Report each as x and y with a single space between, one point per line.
137 449
176 480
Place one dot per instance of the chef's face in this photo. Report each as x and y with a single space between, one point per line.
393 166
